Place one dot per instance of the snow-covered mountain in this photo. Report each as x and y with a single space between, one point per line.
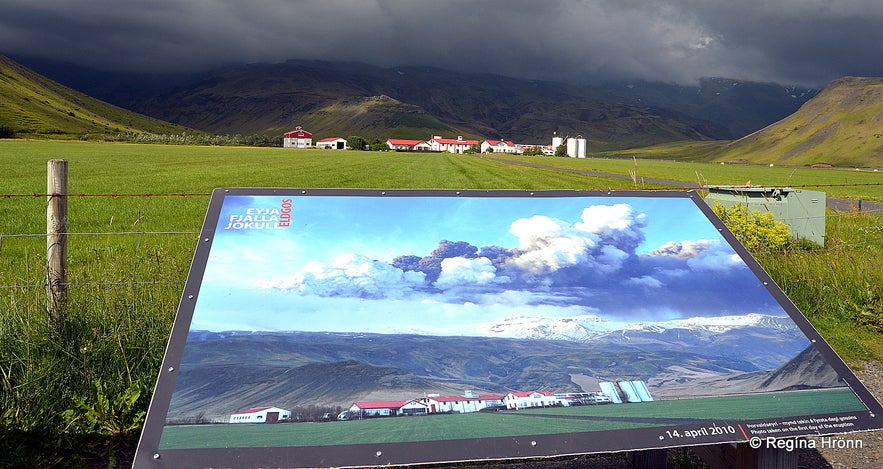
579 328
591 327
766 341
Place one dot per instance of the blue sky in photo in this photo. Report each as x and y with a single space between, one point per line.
447 265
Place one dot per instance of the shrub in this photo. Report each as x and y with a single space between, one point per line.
7 131
756 230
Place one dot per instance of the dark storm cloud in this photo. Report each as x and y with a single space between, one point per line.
594 263
589 261
794 41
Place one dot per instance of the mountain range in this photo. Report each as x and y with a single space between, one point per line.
221 371
718 119
340 99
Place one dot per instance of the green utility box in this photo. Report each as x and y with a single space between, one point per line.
803 211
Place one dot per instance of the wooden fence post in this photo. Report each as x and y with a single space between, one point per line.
56 235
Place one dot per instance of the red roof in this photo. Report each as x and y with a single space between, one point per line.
381 405
330 139
528 393
454 141
483 397
453 398
497 142
253 411
400 141
298 132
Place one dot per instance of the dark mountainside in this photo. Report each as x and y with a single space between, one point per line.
31 104
340 99
805 371
742 107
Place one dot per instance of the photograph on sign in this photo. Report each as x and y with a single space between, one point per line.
347 328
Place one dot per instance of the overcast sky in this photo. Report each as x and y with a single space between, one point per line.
807 42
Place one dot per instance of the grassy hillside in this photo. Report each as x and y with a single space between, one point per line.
34 106
842 126
377 117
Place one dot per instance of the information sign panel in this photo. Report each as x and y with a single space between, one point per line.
334 328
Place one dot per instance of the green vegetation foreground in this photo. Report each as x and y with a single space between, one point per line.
78 387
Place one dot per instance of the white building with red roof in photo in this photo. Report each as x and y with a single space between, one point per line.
260 415
297 138
387 408
525 400
461 404
458 145
401 144
332 143
499 146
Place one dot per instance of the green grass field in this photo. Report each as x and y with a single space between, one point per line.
133 218
843 183
662 414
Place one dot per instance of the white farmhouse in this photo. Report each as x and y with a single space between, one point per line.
400 144
260 415
387 408
525 400
458 145
499 146
468 402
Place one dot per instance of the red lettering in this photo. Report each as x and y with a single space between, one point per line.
285 216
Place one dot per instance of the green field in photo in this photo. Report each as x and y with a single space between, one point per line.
540 421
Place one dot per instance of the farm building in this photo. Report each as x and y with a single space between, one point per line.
499 146
569 399
332 143
400 144
260 415
297 138
461 404
458 145
524 400
388 408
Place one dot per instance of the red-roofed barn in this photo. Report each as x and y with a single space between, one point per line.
297 138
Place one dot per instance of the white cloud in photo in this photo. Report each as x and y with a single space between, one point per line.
685 249
547 244
349 275
461 271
